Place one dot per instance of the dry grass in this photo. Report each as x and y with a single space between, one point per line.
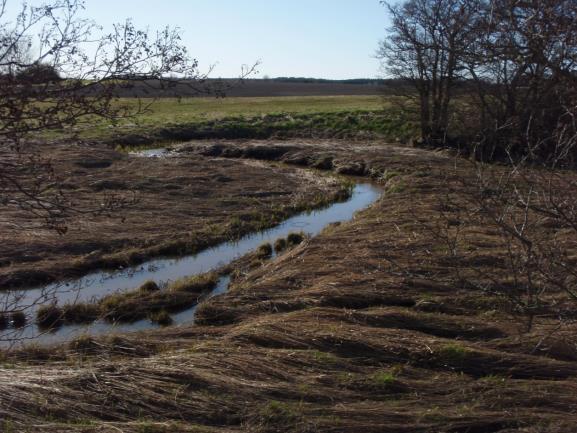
183 205
358 329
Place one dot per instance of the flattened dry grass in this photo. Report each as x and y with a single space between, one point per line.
301 387
332 336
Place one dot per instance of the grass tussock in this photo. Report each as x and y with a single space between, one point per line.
383 378
149 287
53 316
49 316
280 245
161 318
18 319
264 251
179 295
195 284
294 239
80 313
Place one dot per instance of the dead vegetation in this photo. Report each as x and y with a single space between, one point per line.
181 205
361 328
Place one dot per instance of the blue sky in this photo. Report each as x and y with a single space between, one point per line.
333 39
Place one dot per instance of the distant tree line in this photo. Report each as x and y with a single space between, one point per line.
518 59
36 73
365 81
59 71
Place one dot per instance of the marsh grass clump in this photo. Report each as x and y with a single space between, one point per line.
138 304
80 313
49 316
111 304
161 318
195 284
127 307
387 381
277 413
389 175
383 378
290 241
18 319
453 353
264 251
294 239
4 322
149 287
395 187
344 193
280 245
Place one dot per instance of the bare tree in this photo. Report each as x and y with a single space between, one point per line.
519 64
515 60
425 46
59 71
524 65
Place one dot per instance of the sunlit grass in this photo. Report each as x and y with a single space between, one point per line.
243 112
194 109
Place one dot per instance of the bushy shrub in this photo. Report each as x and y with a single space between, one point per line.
38 73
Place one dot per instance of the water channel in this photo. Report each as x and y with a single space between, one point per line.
99 284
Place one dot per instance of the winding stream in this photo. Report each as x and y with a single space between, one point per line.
99 284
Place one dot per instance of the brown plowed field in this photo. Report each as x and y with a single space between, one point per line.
252 88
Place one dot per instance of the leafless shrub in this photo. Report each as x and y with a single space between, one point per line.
530 215
59 71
